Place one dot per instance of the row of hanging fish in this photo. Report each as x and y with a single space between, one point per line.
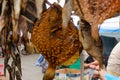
54 33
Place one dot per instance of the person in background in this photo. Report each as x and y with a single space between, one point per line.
102 74
114 60
113 67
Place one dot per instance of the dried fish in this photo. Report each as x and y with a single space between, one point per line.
49 40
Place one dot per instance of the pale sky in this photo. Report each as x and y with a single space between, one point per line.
61 2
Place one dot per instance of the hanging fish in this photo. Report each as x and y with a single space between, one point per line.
93 48
39 6
49 40
66 14
24 4
96 11
16 7
3 16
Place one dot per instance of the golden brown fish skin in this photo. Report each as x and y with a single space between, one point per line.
96 11
95 49
49 40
